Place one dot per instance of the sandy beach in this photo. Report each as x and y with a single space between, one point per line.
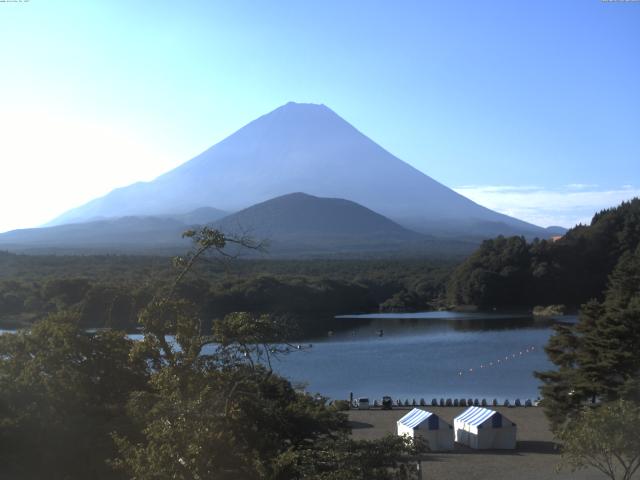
536 456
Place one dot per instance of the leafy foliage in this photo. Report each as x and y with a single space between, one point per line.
214 407
493 275
190 400
570 271
605 438
346 459
62 391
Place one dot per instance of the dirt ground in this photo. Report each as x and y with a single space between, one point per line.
536 456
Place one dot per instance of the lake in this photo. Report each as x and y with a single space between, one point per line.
426 355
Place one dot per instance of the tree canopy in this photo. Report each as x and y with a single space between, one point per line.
570 271
109 292
597 357
62 391
605 438
191 400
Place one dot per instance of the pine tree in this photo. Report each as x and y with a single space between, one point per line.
598 357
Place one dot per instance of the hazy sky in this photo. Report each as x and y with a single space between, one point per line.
530 108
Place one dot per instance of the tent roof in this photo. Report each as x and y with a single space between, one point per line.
414 418
475 415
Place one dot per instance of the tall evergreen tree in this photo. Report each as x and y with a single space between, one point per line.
598 357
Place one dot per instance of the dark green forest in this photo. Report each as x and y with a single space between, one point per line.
110 291
570 271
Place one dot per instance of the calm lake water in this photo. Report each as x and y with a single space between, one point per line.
424 355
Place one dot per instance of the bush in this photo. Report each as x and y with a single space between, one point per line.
341 405
605 438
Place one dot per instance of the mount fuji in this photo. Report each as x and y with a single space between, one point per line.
304 148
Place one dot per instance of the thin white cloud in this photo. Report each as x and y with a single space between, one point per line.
582 186
503 188
566 206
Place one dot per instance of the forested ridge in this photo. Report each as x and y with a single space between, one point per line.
570 271
110 291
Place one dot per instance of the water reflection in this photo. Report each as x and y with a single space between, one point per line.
435 354
363 326
432 354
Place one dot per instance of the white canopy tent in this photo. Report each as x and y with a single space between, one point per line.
437 433
484 429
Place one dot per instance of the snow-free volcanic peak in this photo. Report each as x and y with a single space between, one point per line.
301 147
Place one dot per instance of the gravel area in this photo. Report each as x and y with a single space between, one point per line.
536 456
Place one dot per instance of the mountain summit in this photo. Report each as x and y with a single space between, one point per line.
303 148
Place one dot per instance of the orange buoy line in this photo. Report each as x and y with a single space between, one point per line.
499 361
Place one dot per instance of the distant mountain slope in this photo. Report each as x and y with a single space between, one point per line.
304 147
199 216
299 214
293 225
556 231
301 223
130 233
114 235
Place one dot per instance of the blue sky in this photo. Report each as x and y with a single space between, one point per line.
530 108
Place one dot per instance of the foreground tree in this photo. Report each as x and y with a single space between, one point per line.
215 409
605 438
62 392
392 457
189 401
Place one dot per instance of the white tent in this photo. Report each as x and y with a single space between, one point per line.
437 433
484 429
